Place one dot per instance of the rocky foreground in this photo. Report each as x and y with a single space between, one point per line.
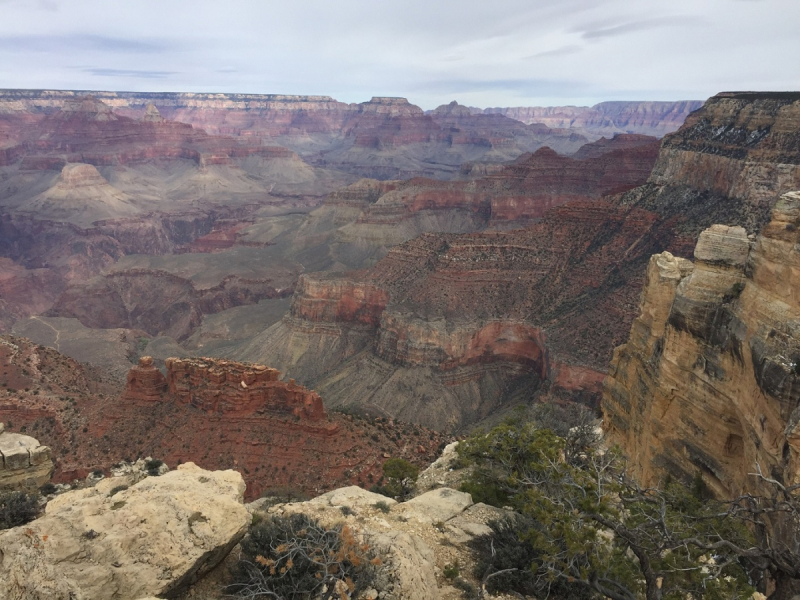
133 536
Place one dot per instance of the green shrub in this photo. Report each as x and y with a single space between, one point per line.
451 571
401 476
382 506
47 489
152 466
17 508
293 557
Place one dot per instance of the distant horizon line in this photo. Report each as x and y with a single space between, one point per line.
328 98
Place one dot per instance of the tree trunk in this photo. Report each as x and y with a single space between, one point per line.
786 588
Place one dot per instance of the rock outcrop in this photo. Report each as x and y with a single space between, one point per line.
26 464
708 381
150 539
227 386
276 434
416 539
728 163
145 382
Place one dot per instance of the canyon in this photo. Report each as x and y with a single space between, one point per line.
383 138
440 301
407 336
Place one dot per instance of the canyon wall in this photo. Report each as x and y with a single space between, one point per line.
607 118
708 381
565 288
727 164
383 138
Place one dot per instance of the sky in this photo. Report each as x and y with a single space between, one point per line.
481 53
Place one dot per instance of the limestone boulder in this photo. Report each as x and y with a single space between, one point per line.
352 496
437 505
25 464
150 539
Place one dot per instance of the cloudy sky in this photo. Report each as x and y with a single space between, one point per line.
480 52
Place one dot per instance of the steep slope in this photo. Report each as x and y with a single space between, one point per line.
728 163
81 196
708 381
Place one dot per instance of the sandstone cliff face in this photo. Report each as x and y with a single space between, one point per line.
707 381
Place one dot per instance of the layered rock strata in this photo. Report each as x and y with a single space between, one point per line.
145 381
708 381
275 433
226 386
447 329
607 118
383 138
729 162
26 464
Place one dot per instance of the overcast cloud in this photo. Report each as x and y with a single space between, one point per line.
482 53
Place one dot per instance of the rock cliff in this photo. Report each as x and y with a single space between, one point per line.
708 381
728 163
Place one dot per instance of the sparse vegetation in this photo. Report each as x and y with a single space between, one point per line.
153 466
382 506
17 508
399 479
294 558
591 532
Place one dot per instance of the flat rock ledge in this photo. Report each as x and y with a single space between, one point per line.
150 539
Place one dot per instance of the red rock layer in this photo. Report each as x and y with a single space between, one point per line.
332 299
89 427
524 190
145 382
229 387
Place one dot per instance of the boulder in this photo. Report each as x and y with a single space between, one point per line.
352 496
150 539
437 505
25 464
